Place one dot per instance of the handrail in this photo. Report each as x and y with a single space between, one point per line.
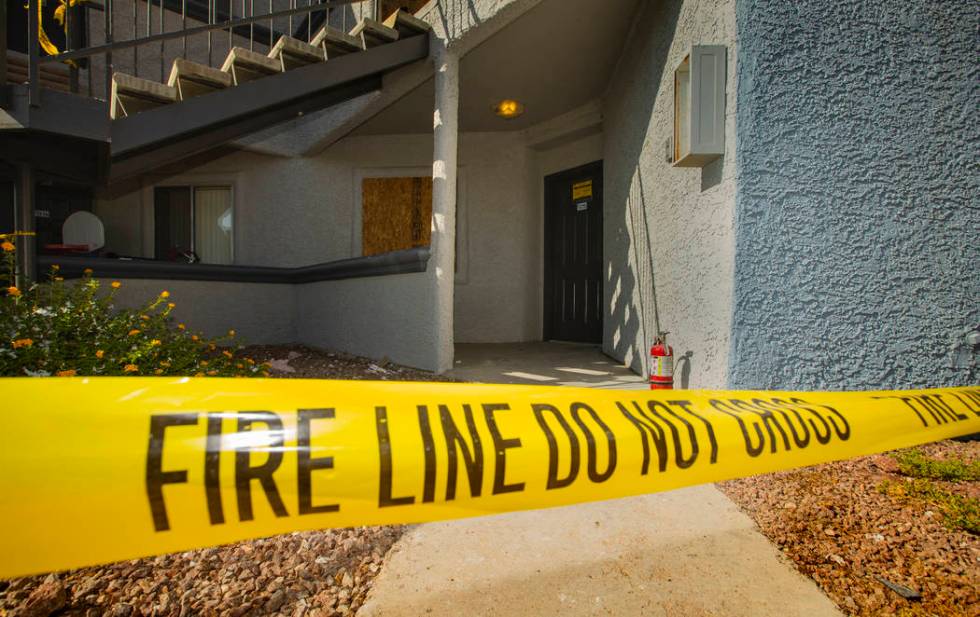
176 34
396 262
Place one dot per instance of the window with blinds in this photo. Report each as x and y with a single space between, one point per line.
193 223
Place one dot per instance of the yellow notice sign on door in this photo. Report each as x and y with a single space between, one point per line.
582 190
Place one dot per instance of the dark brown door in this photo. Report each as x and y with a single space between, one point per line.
573 255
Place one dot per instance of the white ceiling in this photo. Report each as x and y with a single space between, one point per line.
555 58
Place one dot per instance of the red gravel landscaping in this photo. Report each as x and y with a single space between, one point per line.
852 524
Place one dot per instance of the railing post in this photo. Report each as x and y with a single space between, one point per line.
108 56
3 44
24 221
33 53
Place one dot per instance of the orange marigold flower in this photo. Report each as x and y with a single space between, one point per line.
68 373
231 333
203 362
23 342
134 332
165 364
130 368
8 246
181 326
250 361
264 373
99 354
211 347
194 337
199 374
87 271
227 353
13 291
145 317
154 342
212 373
158 371
239 365
116 284
164 294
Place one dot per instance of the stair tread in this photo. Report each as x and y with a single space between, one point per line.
250 60
197 72
287 45
373 33
128 85
406 23
337 40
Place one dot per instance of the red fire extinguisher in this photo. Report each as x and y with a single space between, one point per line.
662 364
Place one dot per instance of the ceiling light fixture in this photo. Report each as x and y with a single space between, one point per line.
508 109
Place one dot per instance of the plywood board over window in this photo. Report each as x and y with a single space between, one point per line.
397 214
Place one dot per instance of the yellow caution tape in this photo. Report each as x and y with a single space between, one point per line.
105 469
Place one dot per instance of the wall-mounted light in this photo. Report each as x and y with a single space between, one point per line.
508 108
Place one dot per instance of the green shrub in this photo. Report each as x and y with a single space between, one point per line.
917 465
959 511
58 329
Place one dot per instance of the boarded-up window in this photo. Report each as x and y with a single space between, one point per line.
397 214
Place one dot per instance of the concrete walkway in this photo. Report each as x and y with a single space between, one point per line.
684 553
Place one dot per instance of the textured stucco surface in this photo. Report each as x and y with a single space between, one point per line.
668 232
259 313
857 249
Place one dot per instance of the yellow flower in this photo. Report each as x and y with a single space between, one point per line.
164 294
211 347
212 373
154 342
55 267
227 353
23 342
165 364
181 326
59 278
159 371
198 374
116 284
8 246
13 291
194 337
68 373
130 368
204 362
264 373
250 361
239 365
87 271
99 354
231 333
171 305
134 332
145 317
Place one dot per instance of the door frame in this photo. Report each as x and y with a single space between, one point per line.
550 183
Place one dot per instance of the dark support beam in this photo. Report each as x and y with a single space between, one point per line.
3 44
24 222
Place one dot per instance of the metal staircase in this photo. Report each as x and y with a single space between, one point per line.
141 124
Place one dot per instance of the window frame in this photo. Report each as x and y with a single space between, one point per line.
192 183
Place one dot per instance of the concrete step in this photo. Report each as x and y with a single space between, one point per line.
193 79
293 53
131 95
336 42
371 33
245 65
406 24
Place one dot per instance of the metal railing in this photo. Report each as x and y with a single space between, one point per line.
193 18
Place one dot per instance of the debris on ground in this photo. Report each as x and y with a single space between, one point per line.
890 534
314 573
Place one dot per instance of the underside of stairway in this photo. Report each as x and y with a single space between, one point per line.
150 124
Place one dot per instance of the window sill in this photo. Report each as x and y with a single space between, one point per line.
396 262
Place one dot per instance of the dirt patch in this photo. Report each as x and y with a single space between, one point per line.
854 524
317 573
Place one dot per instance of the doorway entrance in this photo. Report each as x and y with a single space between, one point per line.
573 255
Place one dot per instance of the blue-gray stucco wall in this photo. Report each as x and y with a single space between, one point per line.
858 201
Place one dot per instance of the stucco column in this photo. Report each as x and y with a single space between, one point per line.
441 269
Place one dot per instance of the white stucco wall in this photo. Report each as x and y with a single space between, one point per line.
668 229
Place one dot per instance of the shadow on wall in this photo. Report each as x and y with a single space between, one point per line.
629 323
683 368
